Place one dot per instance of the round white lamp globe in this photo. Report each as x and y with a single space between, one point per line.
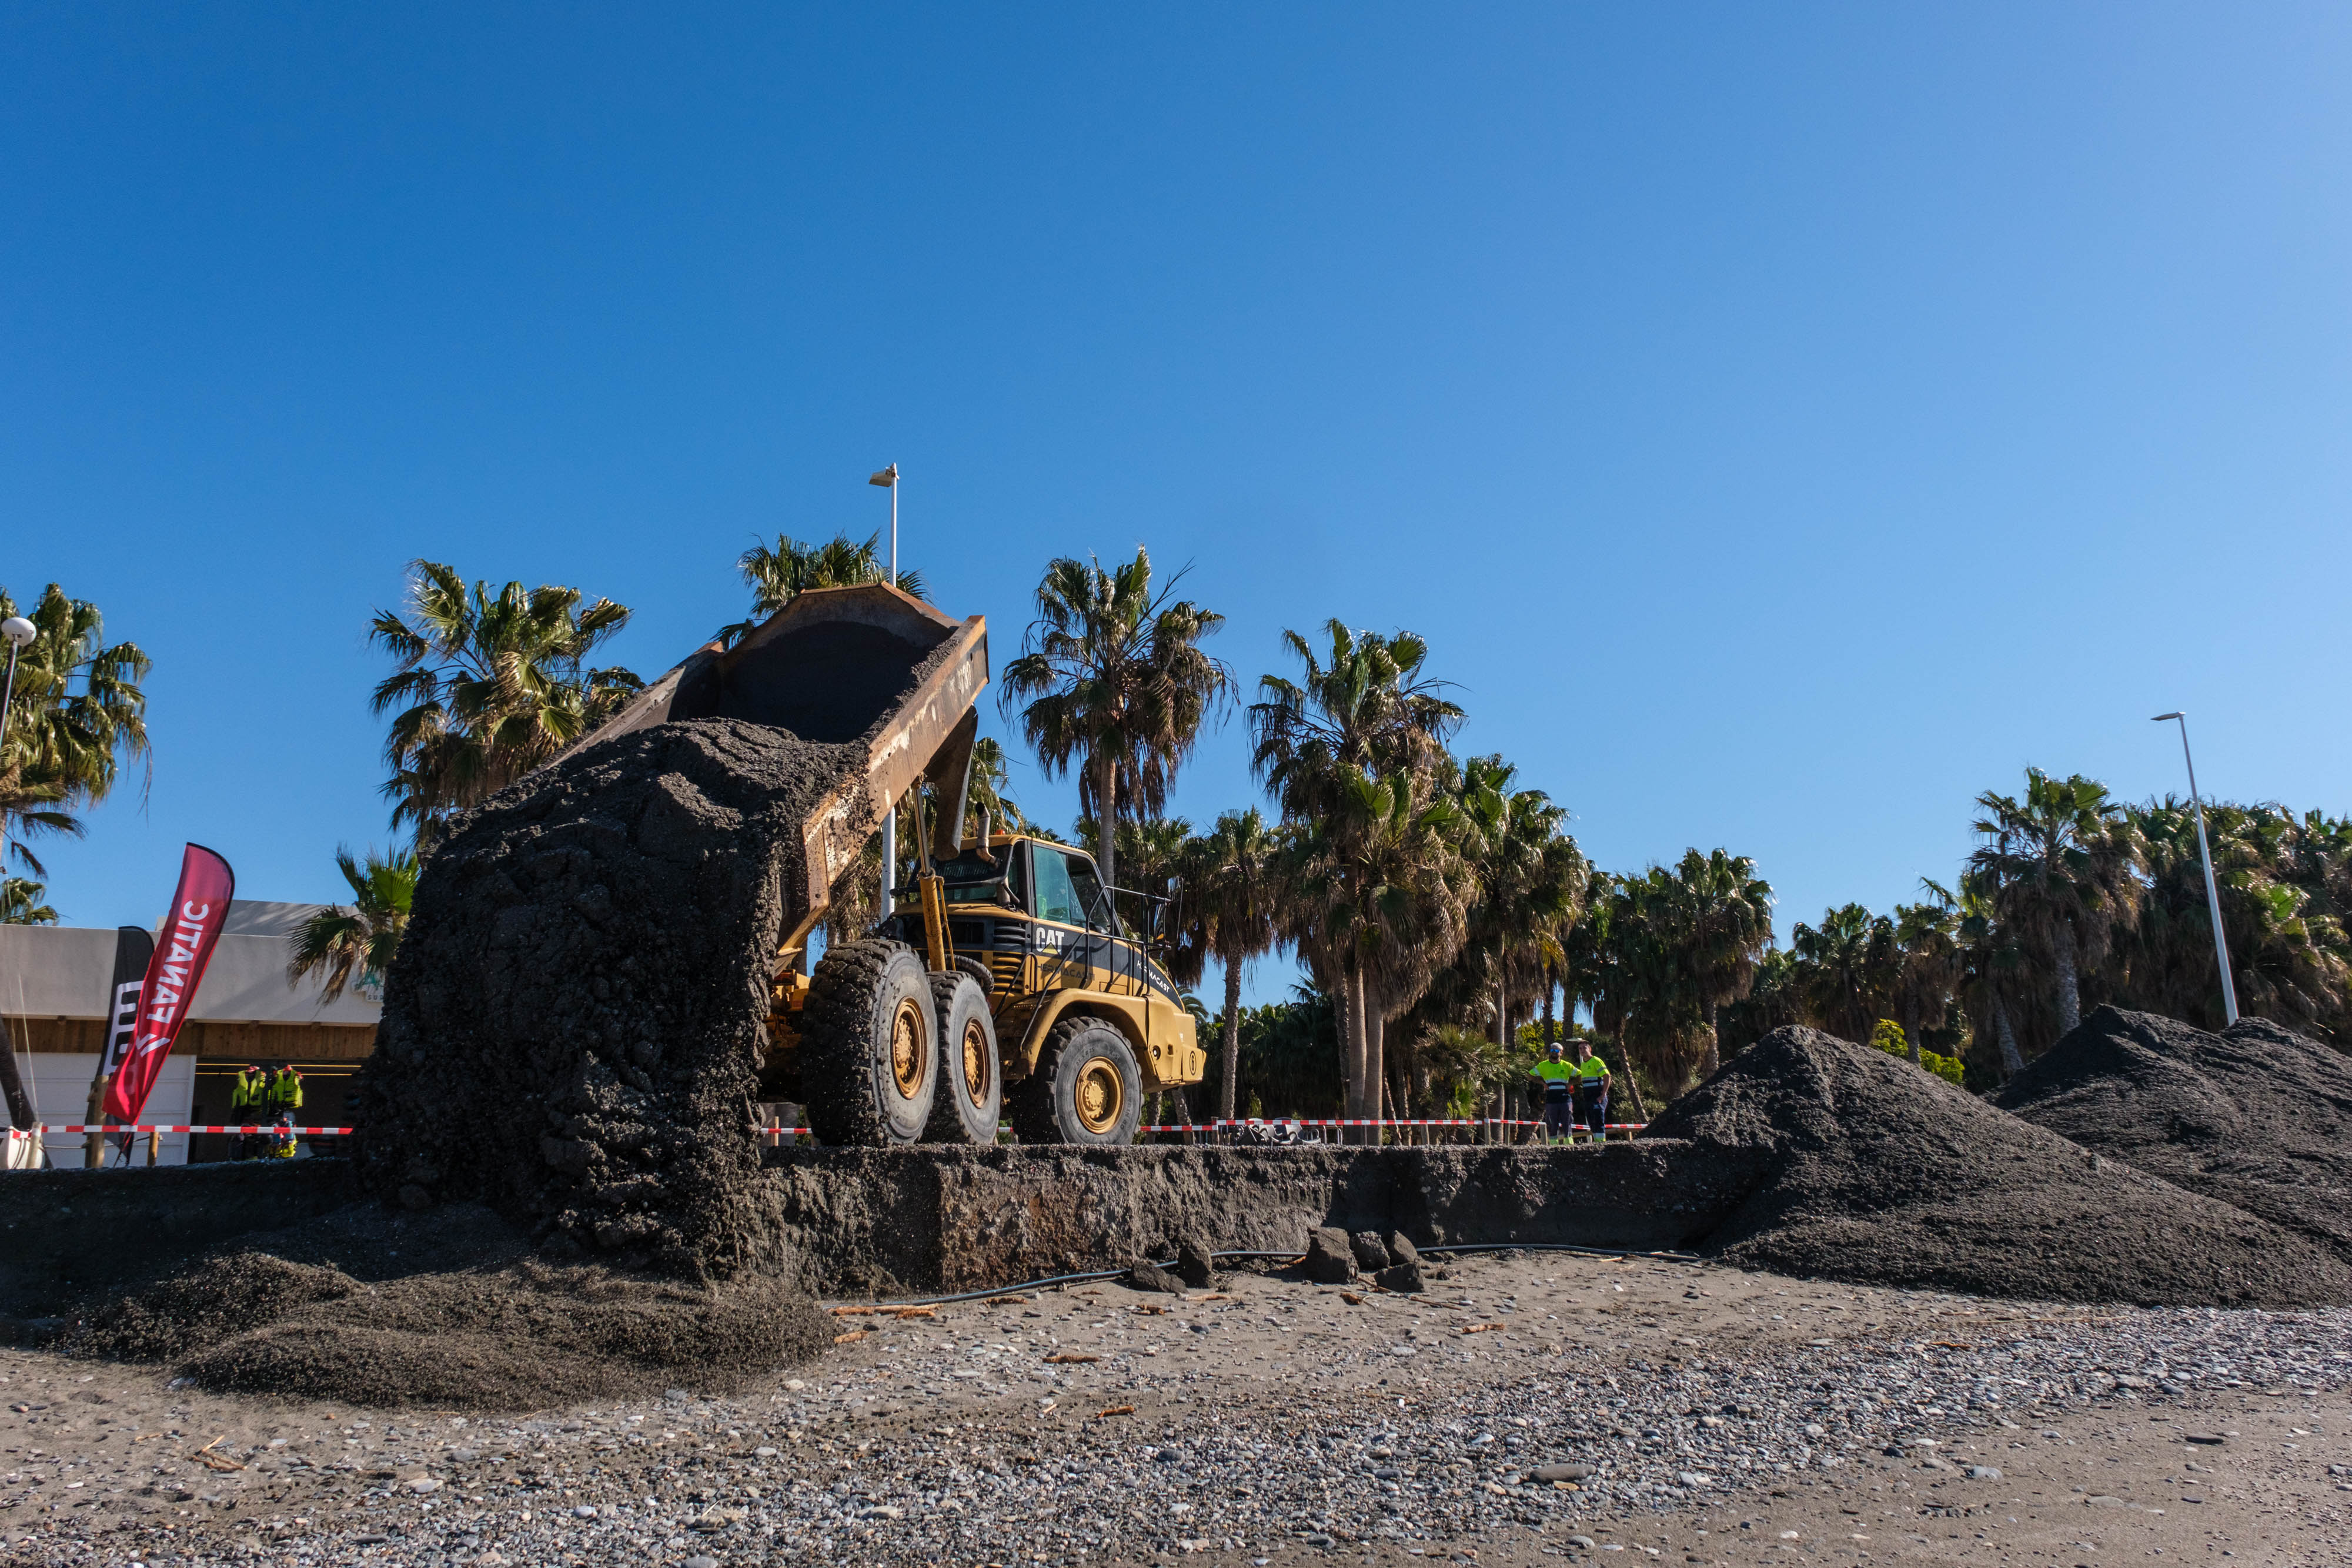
19 630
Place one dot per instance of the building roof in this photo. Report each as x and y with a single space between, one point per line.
65 971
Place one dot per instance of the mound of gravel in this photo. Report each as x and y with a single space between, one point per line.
510 1334
1877 1172
574 1030
2257 1115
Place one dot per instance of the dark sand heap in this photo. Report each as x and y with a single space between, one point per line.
2256 1115
328 1310
574 1030
1882 1174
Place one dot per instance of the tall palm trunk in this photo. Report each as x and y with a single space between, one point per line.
1911 1025
2012 1060
1550 1032
1232 1037
1106 767
1714 1062
2070 995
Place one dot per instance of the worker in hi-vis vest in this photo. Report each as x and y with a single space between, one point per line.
286 1089
1559 1077
1592 1092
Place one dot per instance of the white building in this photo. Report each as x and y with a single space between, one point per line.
54 982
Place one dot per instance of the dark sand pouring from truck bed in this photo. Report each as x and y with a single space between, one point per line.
573 1030
1882 1174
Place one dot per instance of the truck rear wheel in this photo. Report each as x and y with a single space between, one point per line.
1086 1089
971 1084
869 1046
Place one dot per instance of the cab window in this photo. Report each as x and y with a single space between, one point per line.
971 880
1055 898
1088 884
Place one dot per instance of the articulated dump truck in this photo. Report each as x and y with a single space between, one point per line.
1005 985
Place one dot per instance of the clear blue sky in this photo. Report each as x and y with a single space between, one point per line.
1783 421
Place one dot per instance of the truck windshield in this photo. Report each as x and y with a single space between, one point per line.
971 880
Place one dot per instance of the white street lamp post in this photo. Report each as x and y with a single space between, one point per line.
2212 890
888 479
19 633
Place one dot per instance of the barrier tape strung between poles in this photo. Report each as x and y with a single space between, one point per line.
774 1134
159 1127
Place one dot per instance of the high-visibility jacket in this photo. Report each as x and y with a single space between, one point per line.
251 1091
286 1089
1559 1079
1593 1070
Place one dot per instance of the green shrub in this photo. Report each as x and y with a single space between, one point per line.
1888 1037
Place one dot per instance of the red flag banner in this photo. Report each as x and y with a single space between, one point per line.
183 948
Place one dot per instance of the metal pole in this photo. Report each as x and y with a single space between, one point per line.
2212 890
890 819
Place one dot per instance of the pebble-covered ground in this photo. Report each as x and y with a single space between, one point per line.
1544 1406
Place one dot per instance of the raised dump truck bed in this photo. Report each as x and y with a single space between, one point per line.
868 664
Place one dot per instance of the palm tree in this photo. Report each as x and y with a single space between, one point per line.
1366 718
1230 893
496 686
20 902
1529 878
777 573
2060 863
1849 965
1719 917
1381 899
356 944
1370 706
1992 964
77 713
1112 680
1931 961
1152 851
2289 956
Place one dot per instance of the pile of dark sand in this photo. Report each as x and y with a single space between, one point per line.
2257 1115
1877 1172
476 1325
574 1030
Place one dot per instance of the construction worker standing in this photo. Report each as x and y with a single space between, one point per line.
248 1104
1560 1078
1592 1092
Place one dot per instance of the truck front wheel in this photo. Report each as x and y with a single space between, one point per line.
869 1046
1086 1089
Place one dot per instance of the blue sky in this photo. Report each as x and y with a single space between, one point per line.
1783 423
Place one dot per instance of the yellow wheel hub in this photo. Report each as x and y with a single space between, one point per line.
977 1064
1100 1096
909 1061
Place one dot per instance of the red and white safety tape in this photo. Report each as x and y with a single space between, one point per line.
773 1133
160 1127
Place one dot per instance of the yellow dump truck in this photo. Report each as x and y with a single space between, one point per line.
1006 984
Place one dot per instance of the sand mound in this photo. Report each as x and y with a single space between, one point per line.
1882 1174
2257 1116
574 1030
510 1334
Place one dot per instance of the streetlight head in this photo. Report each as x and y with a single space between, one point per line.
887 477
2159 718
19 631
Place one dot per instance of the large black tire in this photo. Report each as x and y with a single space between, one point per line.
972 1079
1086 1089
869 1046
